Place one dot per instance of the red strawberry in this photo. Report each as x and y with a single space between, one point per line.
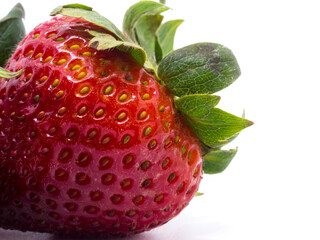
90 141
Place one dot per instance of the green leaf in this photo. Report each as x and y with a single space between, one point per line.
103 41
8 75
198 69
218 160
165 37
84 12
12 31
211 125
136 12
146 29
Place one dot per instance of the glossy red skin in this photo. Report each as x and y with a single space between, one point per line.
44 189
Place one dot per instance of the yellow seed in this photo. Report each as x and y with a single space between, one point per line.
48 59
126 139
40 115
81 75
147 131
152 144
22 118
36 35
82 110
55 83
60 39
75 67
105 140
74 47
176 139
38 55
52 130
84 90
161 108
52 35
142 115
62 110
102 61
92 133
28 76
45 151
108 90
62 61
183 149
168 140
99 112
195 172
44 78
25 96
121 116
87 54
29 53
71 133
123 97
145 96
36 98
59 94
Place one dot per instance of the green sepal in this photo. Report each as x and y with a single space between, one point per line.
8 75
165 38
201 68
103 41
216 161
86 13
136 12
198 194
78 5
16 12
146 29
220 143
211 125
12 31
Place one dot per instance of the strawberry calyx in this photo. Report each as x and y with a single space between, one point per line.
12 32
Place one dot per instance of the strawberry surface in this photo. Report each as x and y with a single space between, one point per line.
90 142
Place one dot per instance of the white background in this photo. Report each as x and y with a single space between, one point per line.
271 189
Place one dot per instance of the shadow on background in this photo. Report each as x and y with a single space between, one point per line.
17 235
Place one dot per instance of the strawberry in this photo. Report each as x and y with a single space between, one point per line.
92 139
